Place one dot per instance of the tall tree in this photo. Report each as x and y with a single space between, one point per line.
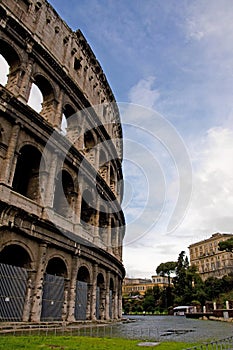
165 269
179 280
226 245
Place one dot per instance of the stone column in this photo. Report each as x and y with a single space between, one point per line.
25 80
115 311
107 317
109 236
93 296
78 205
65 302
57 117
120 299
28 299
88 315
49 189
38 288
72 294
7 165
96 224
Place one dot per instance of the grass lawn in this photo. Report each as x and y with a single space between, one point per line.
80 343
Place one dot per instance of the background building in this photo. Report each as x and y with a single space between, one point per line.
132 286
209 260
60 187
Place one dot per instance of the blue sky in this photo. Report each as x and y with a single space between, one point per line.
175 59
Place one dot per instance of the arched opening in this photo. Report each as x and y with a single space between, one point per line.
82 302
53 290
15 255
64 125
14 260
56 266
41 96
10 63
69 126
4 71
100 297
26 178
24 4
64 194
35 100
88 211
89 141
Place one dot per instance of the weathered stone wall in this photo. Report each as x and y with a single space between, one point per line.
59 200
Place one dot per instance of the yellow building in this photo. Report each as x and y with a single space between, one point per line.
209 260
141 285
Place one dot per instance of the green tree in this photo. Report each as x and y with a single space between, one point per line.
213 287
226 245
165 269
152 299
179 280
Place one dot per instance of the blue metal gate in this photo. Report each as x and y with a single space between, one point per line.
13 287
81 300
53 298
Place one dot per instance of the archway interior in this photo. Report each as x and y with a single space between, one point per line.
26 178
56 266
15 255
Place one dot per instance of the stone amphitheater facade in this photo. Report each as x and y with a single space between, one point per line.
61 220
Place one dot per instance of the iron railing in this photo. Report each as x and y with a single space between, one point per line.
222 344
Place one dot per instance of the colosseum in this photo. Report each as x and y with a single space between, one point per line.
61 185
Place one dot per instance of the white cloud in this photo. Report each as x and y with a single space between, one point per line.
35 99
4 70
144 94
212 202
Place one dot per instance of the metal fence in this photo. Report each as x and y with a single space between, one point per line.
222 344
109 331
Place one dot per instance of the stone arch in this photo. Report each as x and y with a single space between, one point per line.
70 126
64 194
57 266
12 58
83 274
2 134
47 91
53 297
14 263
25 4
45 86
88 212
16 255
26 177
5 68
89 139
83 291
